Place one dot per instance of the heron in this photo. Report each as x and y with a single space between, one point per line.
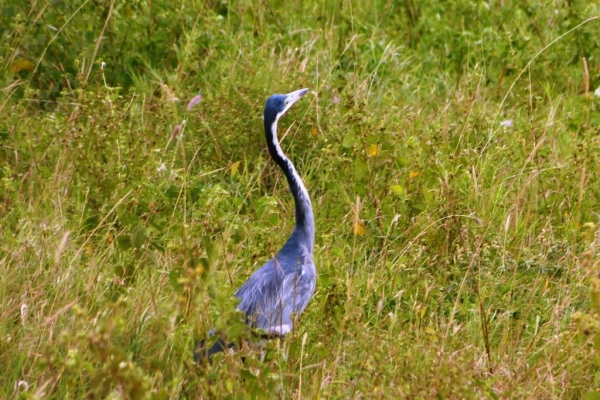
275 295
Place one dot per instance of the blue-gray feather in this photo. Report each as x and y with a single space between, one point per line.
279 291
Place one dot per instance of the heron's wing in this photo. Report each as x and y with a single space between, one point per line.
275 293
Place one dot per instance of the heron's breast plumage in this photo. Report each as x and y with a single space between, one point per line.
277 292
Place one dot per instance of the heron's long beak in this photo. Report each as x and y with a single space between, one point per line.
293 97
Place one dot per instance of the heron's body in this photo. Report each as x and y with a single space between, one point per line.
279 291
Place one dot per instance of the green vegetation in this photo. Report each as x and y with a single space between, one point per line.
452 153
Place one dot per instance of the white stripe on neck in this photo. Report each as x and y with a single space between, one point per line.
295 177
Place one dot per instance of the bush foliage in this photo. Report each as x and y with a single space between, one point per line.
451 150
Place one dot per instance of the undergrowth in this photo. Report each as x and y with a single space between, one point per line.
451 151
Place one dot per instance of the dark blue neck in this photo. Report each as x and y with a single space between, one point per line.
305 224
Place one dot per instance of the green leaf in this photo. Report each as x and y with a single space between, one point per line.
212 251
324 280
174 276
349 140
151 257
337 251
273 219
597 343
402 161
372 139
124 242
418 207
593 395
360 169
398 189
427 195
138 236
247 375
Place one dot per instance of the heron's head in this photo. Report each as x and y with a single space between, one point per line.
278 104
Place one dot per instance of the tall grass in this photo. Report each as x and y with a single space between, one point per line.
451 152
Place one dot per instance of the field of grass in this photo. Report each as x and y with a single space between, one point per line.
451 149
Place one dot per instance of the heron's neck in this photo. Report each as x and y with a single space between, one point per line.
305 224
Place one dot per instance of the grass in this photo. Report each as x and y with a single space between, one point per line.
451 152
